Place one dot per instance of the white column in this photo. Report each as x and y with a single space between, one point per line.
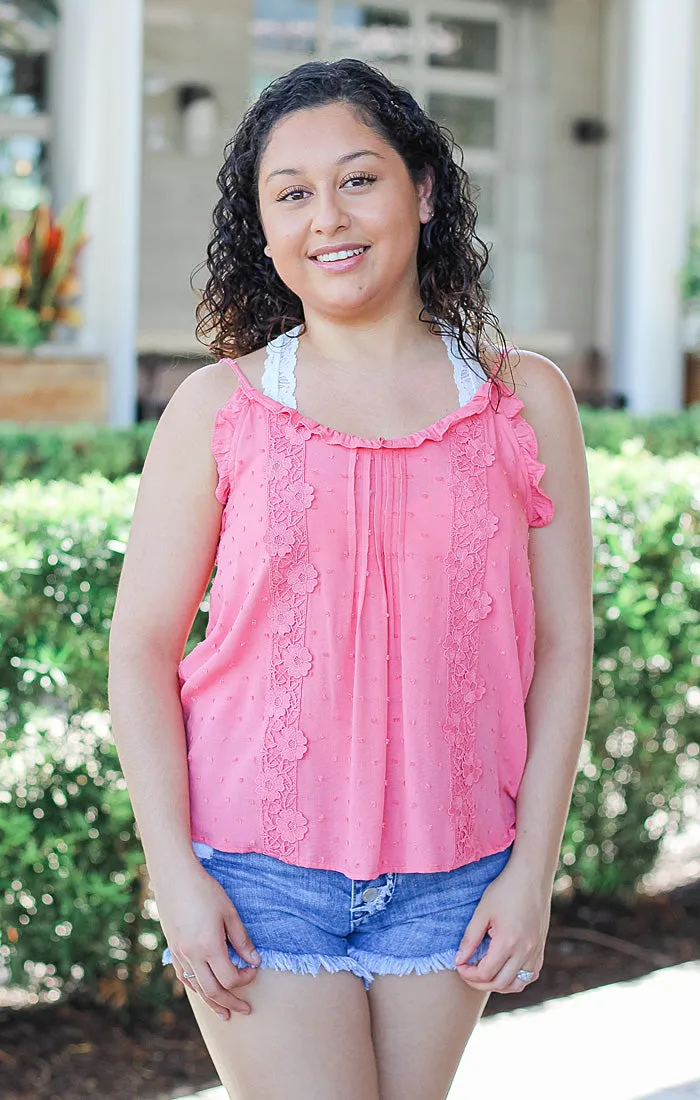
96 150
613 84
653 204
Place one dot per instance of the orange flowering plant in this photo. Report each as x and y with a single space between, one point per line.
38 280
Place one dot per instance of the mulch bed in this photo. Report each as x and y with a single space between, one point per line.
64 1051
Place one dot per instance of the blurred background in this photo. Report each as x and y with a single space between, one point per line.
578 120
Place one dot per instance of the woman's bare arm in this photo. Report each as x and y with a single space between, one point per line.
515 907
561 562
167 566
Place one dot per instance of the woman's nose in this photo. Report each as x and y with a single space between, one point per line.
329 212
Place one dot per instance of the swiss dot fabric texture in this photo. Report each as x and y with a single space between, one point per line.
358 701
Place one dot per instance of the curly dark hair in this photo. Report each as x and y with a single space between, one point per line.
245 303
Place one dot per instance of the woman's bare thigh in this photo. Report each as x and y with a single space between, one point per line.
420 1026
308 1037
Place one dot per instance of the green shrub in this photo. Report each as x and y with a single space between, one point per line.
70 451
76 915
67 452
664 434
76 911
642 737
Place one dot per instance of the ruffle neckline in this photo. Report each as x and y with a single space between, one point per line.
541 507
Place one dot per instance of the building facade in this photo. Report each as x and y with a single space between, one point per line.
577 120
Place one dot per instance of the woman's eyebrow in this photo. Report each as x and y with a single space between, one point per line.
341 160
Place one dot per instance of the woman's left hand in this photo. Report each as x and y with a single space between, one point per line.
515 909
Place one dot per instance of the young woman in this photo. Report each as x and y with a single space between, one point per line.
352 793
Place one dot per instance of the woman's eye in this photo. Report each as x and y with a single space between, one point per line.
362 177
294 191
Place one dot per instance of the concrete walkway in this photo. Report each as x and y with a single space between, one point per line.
635 1040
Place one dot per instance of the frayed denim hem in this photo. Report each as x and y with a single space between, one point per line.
364 964
394 964
311 964
298 964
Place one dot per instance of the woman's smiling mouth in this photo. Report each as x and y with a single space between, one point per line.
342 260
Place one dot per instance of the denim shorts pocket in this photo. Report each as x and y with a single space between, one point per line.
202 851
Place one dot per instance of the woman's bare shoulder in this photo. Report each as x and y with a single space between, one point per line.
540 384
214 384
551 410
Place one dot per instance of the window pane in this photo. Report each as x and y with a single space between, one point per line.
372 32
22 83
287 25
471 119
258 81
484 195
463 44
23 172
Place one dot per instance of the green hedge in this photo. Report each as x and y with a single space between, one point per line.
641 744
76 913
71 451
666 434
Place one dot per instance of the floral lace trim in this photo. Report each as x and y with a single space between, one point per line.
473 525
466 380
279 378
287 368
269 382
292 578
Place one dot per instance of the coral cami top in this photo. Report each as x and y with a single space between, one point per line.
358 701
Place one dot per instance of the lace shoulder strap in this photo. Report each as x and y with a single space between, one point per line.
469 374
279 374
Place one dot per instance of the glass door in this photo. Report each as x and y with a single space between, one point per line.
460 79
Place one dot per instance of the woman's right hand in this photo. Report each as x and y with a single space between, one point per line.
197 916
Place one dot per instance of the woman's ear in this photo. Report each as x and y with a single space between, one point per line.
426 195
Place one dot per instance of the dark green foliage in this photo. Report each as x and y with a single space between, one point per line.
76 896
67 452
690 275
642 737
665 434
75 914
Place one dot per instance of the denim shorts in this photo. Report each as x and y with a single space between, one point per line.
304 918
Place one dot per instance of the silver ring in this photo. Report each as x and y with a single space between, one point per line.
526 975
188 975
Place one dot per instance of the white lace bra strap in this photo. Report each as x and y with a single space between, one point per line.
279 375
467 380
287 368
270 383
270 377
